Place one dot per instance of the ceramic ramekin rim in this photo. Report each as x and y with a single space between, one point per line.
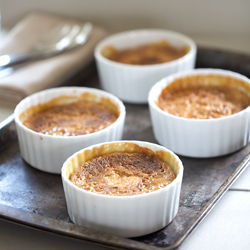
120 104
186 39
204 71
174 182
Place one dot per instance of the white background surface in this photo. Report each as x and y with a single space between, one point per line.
215 23
213 17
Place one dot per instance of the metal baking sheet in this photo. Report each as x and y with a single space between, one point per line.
36 199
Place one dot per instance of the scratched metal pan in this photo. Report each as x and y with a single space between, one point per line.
36 199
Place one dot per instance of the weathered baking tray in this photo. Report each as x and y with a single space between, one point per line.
36 199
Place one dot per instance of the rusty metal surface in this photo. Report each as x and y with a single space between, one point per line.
35 198
7 131
214 58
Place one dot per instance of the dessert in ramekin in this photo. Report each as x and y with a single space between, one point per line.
46 144
213 117
130 82
124 213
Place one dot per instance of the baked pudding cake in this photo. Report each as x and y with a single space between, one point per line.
152 53
201 112
129 63
55 123
112 187
203 97
70 116
123 173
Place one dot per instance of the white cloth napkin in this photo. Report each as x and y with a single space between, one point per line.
42 74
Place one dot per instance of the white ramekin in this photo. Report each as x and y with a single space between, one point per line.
200 137
48 153
126 216
131 83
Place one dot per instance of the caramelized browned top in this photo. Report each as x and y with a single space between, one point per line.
125 174
204 97
154 53
71 119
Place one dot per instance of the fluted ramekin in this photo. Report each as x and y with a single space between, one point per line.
126 216
201 137
47 152
131 83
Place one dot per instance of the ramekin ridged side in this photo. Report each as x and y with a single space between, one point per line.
131 83
199 137
126 216
48 153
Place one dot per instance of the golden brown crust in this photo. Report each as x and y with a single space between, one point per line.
192 99
71 119
154 53
125 174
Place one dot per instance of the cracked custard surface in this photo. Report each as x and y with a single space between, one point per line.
71 119
184 99
154 53
123 174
